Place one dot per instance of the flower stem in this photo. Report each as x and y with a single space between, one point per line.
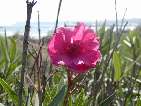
69 76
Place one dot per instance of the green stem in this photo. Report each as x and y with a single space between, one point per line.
69 76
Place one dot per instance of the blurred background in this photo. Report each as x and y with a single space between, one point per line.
13 14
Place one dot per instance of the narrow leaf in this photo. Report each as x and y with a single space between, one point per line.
59 97
12 49
117 66
4 51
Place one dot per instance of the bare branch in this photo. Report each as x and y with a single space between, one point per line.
25 47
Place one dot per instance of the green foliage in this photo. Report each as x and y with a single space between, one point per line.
10 92
9 59
80 99
9 66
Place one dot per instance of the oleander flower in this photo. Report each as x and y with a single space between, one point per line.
76 48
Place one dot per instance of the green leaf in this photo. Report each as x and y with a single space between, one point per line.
127 43
117 65
11 68
59 97
4 50
12 49
9 90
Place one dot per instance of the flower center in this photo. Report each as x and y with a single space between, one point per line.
73 49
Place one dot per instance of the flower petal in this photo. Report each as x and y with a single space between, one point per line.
92 45
90 40
79 30
68 32
90 57
77 66
59 59
59 42
51 48
89 34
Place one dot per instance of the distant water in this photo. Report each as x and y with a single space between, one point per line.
20 27
46 27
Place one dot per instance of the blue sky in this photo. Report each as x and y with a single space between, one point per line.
12 11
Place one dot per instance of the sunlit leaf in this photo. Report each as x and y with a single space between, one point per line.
117 66
127 43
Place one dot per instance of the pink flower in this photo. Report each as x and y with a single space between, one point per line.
76 48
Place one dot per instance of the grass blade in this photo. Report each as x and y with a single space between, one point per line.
59 97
